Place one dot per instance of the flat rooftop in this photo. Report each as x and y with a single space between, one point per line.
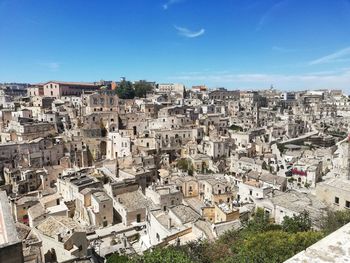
101 196
339 183
133 200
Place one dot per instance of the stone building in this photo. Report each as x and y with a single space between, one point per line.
24 180
164 226
59 89
28 130
335 193
131 207
224 94
62 239
100 102
71 184
164 196
94 207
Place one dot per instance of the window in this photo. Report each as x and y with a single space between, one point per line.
347 204
250 192
336 200
138 218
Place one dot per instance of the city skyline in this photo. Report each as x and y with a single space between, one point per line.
289 44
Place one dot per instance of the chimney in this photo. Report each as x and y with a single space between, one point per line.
169 223
117 165
124 240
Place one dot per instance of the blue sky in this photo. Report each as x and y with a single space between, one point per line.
248 44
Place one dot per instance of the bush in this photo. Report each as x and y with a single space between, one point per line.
335 220
273 246
297 223
163 255
116 258
236 128
258 241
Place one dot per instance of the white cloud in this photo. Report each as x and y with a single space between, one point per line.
317 80
282 49
189 33
170 2
52 66
266 17
338 56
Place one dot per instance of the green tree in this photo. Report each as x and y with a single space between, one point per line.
259 222
116 258
335 220
200 251
184 164
272 246
163 255
125 90
297 223
142 88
